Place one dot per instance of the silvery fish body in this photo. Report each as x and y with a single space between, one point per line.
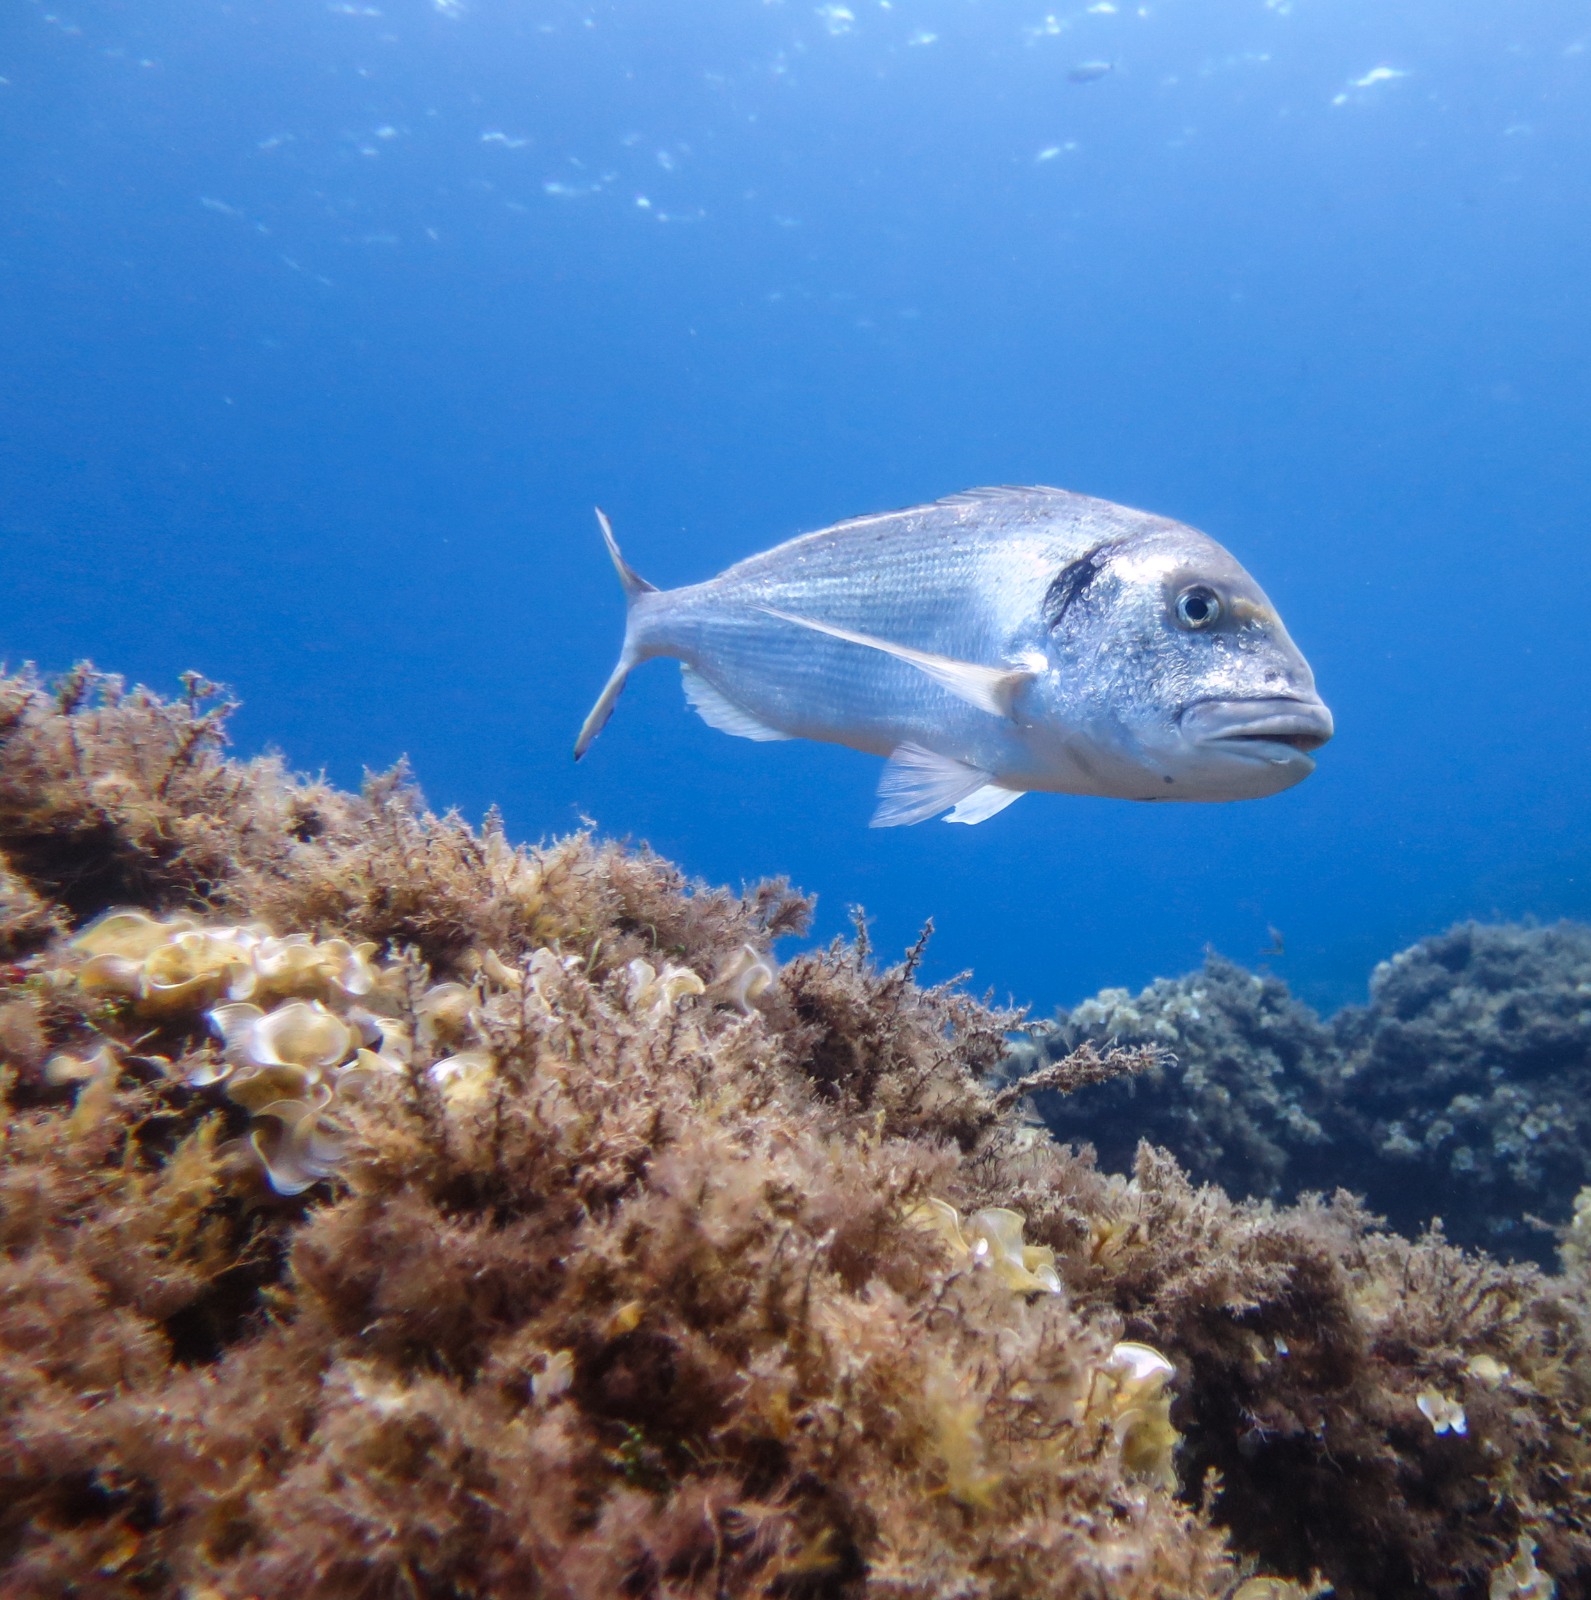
996 642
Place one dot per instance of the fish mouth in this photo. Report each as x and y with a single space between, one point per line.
1278 729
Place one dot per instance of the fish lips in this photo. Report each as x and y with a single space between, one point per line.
1279 731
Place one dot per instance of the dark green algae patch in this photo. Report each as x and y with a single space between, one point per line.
582 1250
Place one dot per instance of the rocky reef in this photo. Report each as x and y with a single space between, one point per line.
1466 1082
1461 1091
390 1210
1242 1077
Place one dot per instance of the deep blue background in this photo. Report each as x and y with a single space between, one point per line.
322 328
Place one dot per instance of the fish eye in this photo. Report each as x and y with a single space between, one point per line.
1198 607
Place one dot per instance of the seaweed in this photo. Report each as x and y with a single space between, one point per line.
1460 1089
1240 1087
1466 1076
633 1261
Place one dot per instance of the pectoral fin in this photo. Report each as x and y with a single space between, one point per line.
917 784
991 689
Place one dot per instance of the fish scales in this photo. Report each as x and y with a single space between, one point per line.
993 643
944 578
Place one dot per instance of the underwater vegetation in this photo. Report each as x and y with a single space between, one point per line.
1461 1090
387 1209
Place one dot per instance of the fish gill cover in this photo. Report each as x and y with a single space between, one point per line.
389 1209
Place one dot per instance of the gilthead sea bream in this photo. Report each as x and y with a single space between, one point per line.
995 642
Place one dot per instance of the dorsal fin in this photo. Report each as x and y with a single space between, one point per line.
996 494
993 494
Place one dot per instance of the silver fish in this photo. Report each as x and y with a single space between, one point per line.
991 643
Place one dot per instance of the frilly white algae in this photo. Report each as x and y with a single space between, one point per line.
1133 1389
1444 1415
389 1210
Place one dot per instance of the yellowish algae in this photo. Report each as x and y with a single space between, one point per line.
1520 1578
305 1024
1130 1391
991 1238
1133 1391
1264 1587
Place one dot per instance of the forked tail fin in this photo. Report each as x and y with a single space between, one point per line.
634 583
634 587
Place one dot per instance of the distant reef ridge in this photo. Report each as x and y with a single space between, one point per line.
391 1210
1462 1091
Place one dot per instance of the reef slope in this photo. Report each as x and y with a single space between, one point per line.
1462 1090
389 1210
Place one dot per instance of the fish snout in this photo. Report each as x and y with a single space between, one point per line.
1280 728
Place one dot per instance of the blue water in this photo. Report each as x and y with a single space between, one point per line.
323 328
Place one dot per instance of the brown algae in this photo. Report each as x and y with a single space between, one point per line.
387 1209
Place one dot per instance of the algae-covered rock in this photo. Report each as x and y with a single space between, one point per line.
1242 1080
1461 1091
390 1210
1466 1081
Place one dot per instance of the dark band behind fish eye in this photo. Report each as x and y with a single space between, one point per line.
1072 582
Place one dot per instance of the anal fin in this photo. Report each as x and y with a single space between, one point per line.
918 784
984 803
717 710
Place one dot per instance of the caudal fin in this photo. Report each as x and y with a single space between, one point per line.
634 583
634 587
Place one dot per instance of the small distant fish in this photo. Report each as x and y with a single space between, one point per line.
1090 71
996 642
